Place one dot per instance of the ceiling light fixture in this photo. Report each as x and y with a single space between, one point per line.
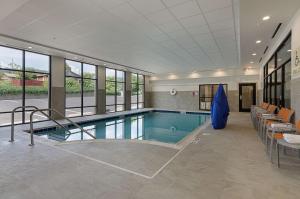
253 54
29 47
265 18
290 50
251 62
258 41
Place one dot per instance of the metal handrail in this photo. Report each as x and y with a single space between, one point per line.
58 113
12 130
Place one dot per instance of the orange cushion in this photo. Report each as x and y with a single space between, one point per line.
278 136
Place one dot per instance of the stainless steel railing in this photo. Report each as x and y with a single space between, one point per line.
12 130
46 115
58 113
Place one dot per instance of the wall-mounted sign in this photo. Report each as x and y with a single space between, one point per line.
296 63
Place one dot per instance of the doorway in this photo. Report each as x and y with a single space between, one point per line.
247 96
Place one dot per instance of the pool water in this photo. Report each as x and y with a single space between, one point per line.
168 127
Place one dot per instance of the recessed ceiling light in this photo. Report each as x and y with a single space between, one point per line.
290 50
258 41
254 54
265 18
29 47
251 62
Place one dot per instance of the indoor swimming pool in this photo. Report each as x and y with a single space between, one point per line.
161 126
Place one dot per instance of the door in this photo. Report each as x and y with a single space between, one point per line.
247 96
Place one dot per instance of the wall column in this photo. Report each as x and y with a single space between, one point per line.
101 95
128 91
147 94
58 86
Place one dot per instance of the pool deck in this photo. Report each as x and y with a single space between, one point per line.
229 163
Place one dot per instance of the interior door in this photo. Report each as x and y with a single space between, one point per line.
247 96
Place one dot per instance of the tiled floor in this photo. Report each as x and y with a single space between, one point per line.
229 163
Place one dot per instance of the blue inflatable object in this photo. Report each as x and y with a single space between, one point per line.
219 109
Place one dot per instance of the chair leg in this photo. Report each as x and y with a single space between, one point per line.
278 160
271 147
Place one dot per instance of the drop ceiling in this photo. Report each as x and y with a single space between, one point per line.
253 28
159 36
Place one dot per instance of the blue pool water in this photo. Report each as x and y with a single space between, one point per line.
168 127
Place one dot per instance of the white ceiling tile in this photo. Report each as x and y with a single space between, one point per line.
146 6
220 25
171 3
198 30
108 4
210 5
170 26
219 15
161 17
125 12
187 9
196 20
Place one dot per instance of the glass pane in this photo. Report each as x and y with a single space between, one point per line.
134 93
287 86
120 107
36 117
36 93
215 88
247 97
73 68
273 87
110 108
134 78
11 58
73 92
89 71
201 91
74 112
208 91
37 62
120 76
120 93
271 65
141 79
284 53
5 118
10 90
141 93
110 93
279 86
141 105
110 74
89 111
89 92
134 106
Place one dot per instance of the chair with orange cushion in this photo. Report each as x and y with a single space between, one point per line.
284 116
270 110
280 141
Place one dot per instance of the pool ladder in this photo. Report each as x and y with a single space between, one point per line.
35 110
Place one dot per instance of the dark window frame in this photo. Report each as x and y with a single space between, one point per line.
116 82
23 72
211 96
81 78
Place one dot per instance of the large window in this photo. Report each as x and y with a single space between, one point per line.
137 91
207 93
277 76
80 85
115 90
24 81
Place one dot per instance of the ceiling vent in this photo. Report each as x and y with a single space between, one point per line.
266 49
276 30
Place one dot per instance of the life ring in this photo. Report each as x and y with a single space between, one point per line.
173 91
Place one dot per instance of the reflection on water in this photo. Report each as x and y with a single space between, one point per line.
158 126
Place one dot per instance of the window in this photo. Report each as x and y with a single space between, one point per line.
277 76
207 93
137 91
80 86
24 81
115 90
